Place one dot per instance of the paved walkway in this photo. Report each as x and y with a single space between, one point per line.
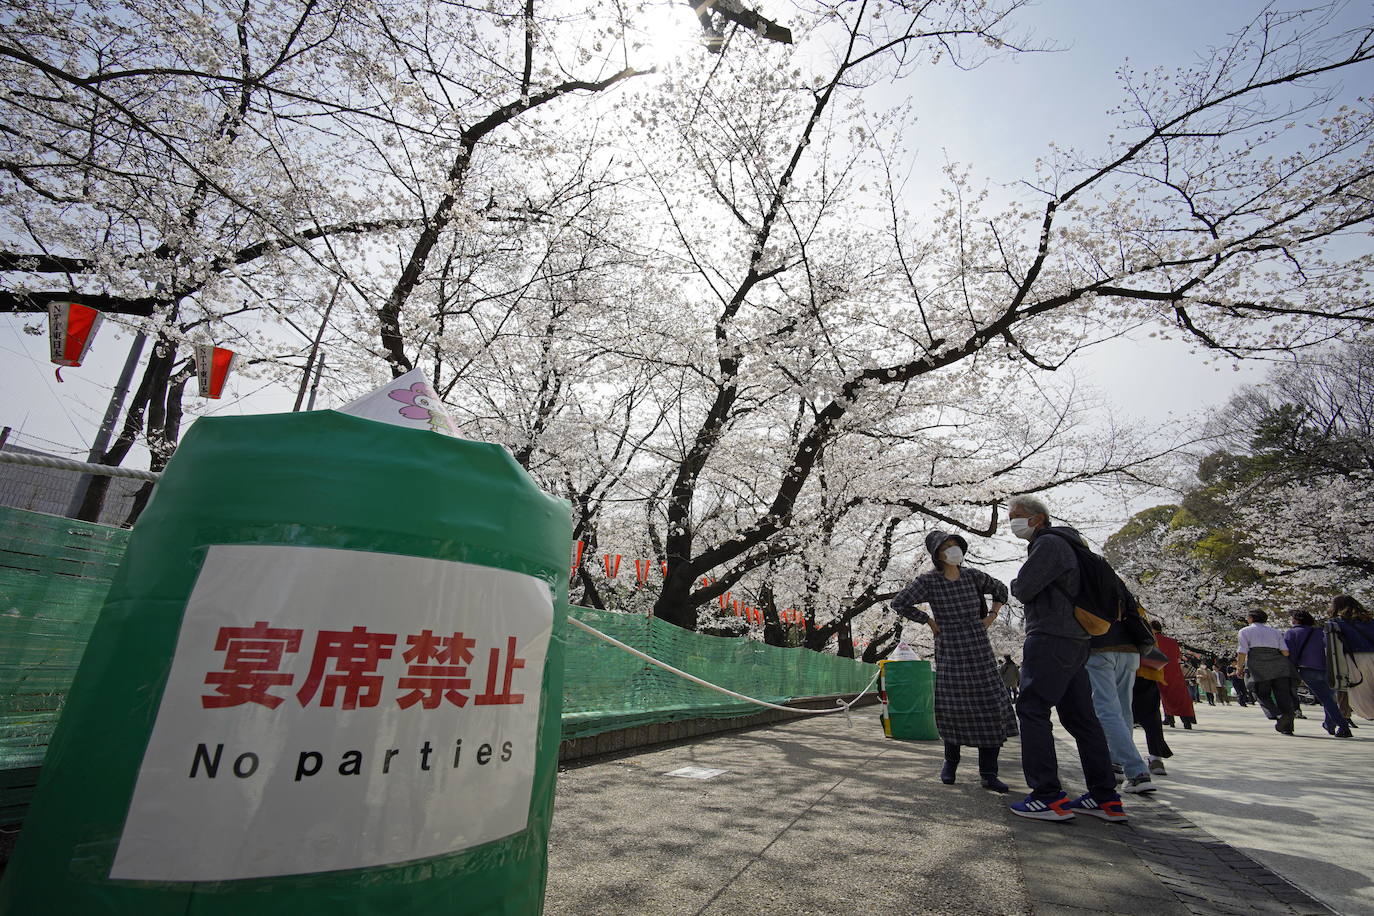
1302 806
818 816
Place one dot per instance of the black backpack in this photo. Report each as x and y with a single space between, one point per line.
1102 597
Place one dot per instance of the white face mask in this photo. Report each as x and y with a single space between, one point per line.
953 555
1021 528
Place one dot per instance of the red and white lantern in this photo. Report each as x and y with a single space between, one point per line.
213 365
611 565
577 558
71 328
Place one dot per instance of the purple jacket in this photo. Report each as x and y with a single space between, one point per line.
1306 646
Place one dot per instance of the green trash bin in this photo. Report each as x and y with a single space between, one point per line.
910 691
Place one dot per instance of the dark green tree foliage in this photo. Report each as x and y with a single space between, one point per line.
1275 518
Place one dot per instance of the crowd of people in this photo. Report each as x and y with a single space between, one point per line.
1106 676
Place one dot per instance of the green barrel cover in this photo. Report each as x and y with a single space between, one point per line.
319 479
911 700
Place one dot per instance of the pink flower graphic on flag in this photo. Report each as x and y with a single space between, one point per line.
421 404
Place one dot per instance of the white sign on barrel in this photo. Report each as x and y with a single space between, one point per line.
331 709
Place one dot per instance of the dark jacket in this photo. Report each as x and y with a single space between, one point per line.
1115 639
1358 636
1045 583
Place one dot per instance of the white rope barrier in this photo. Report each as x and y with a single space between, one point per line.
67 464
841 707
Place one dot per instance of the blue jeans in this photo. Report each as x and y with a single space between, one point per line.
1053 676
1315 679
1113 678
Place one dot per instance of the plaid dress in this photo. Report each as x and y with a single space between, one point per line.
972 705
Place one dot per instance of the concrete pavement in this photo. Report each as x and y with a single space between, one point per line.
811 816
817 816
1303 806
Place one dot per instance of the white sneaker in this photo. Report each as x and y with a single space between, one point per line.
1139 785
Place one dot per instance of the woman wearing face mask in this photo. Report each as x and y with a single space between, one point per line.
972 706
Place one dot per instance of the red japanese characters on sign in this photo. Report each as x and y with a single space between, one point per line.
252 664
430 683
344 669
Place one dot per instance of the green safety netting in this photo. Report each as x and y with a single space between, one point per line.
607 688
54 573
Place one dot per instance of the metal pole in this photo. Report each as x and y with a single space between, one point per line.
107 425
315 348
319 370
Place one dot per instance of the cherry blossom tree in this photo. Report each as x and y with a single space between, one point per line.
1164 227
1276 520
696 302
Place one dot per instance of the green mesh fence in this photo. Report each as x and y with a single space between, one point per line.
54 573
607 688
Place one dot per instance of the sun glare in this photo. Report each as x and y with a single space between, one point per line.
665 31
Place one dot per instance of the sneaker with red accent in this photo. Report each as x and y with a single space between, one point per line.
1056 809
1107 810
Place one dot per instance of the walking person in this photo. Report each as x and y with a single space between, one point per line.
1112 664
1190 672
1011 676
1206 684
1146 712
1173 691
1261 649
1307 649
1355 654
1238 685
972 706
1219 678
1054 675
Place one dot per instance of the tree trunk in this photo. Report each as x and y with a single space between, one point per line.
152 387
845 649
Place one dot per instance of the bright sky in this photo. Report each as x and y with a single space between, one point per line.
997 119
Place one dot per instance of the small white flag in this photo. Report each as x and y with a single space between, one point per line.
406 401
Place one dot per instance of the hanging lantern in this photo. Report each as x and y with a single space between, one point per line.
723 598
641 572
612 568
664 566
577 559
71 328
212 369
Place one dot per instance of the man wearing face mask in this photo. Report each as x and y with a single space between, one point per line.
1054 675
972 707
